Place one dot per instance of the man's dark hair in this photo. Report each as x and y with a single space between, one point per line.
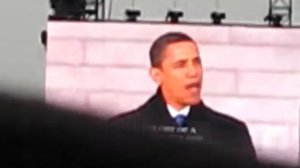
162 42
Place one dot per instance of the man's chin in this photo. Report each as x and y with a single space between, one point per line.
193 101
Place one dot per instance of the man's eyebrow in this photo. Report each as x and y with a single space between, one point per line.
197 58
180 61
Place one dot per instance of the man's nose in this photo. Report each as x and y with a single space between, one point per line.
193 71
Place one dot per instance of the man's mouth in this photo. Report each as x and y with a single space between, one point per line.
194 87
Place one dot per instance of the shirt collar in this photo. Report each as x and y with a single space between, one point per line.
173 112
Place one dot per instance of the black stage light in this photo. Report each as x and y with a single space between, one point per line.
217 17
132 14
68 9
274 20
173 16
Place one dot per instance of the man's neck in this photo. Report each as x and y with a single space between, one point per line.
168 100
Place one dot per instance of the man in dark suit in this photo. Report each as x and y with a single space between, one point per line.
177 108
38 135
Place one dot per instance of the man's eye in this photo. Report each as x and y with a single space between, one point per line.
179 64
197 60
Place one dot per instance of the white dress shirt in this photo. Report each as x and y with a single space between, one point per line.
173 112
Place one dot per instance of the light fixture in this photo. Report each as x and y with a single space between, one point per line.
274 20
173 16
217 17
132 14
68 10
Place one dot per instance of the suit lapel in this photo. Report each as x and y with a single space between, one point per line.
157 111
198 113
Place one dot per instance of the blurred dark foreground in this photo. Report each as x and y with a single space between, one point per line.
38 135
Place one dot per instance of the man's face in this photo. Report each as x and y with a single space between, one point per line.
180 74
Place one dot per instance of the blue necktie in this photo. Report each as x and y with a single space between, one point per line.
181 120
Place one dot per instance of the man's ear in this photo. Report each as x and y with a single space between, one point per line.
155 74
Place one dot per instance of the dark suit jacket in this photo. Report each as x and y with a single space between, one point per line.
218 131
39 135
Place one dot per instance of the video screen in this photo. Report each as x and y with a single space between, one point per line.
246 73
